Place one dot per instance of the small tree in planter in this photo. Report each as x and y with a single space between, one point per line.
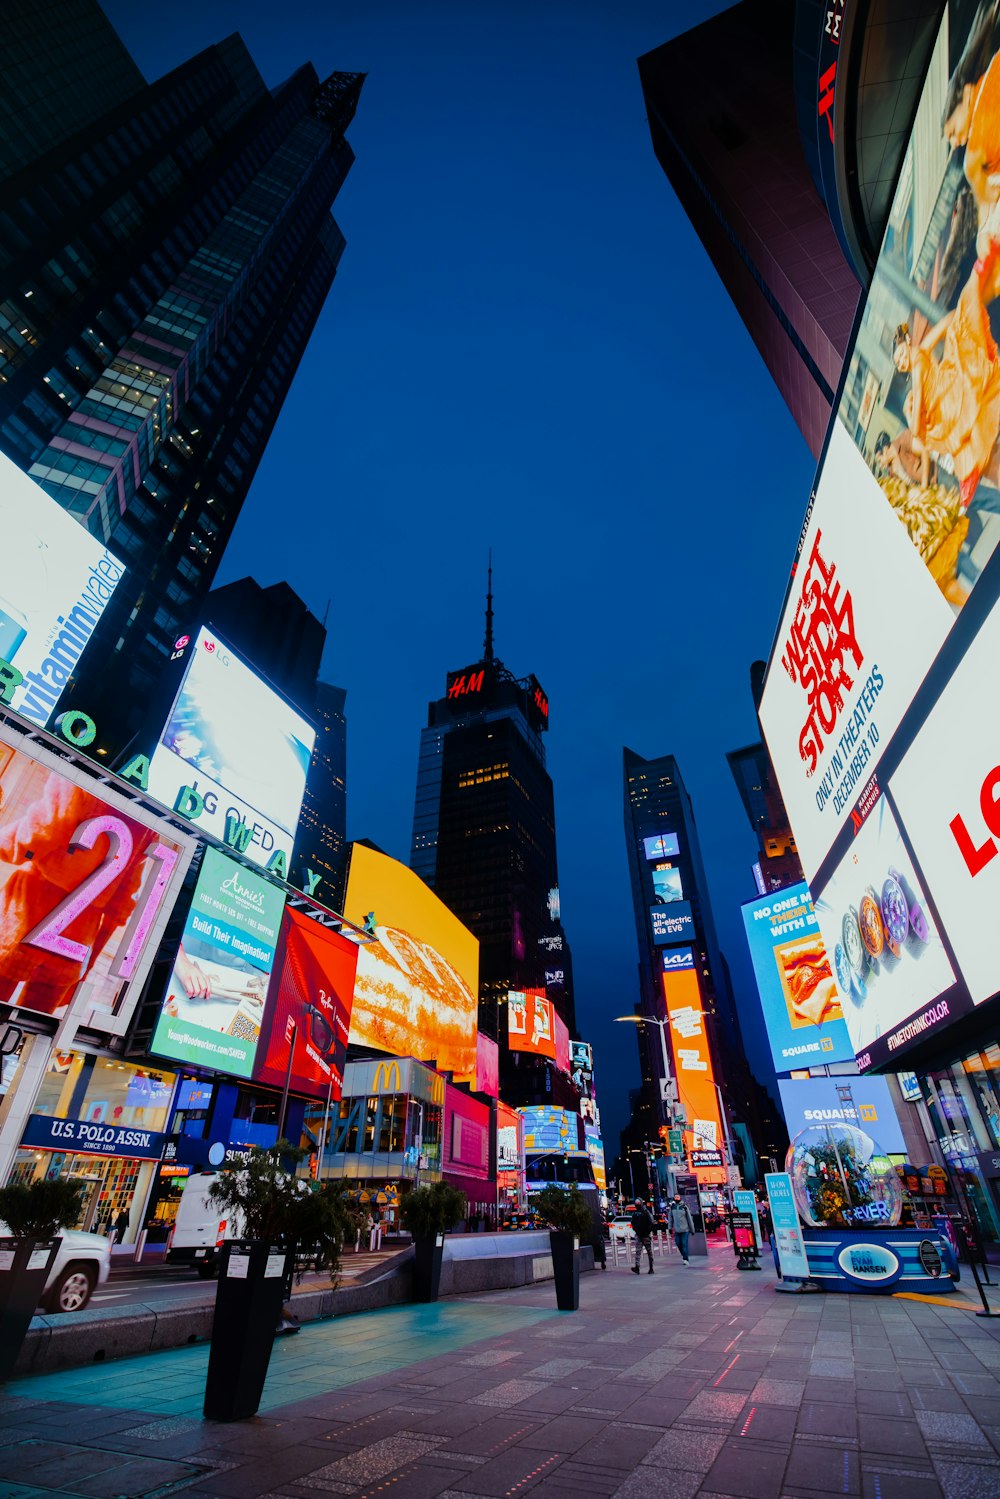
428 1213
280 1217
569 1220
33 1214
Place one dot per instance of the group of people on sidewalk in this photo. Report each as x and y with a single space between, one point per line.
679 1222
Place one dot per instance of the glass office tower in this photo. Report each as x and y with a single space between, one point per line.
484 839
165 250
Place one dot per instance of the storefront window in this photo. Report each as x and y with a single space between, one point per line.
983 1071
100 1090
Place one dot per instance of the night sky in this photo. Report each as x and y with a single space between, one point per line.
527 348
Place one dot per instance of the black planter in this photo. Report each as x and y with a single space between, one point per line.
566 1268
24 1269
428 1255
248 1304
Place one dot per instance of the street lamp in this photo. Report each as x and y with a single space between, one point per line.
661 1026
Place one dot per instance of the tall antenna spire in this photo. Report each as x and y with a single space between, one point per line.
488 649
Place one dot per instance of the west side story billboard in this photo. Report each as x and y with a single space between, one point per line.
879 708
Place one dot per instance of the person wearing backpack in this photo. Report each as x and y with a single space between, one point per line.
642 1227
681 1225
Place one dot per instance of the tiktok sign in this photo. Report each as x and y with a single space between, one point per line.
947 790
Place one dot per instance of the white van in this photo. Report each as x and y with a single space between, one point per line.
201 1228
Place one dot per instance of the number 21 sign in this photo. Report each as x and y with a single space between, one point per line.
87 881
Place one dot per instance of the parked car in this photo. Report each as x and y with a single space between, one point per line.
81 1264
201 1228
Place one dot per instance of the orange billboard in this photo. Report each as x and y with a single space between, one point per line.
703 1135
417 988
531 1023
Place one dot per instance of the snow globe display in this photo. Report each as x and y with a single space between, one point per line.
841 1179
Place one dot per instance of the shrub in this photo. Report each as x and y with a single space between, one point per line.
39 1209
564 1211
271 1203
432 1210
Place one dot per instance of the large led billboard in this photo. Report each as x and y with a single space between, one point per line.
798 993
213 1008
667 884
57 582
548 1127
87 882
878 708
864 1101
594 1146
703 1135
417 986
308 1011
241 749
661 846
531 1022
581 1061
672 923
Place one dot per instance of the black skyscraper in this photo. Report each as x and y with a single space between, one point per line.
484 839
165 251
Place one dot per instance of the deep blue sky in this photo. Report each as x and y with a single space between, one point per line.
526 348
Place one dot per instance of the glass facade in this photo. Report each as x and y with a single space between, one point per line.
162 271
321 839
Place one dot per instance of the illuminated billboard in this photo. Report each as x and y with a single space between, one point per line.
661 846
214 1004
487 1066
548 1127
667 884
240 748
672 923
864 1101
308 1009
510 1139
57 582
798 992
581 1061
594 1146
562 1042
878 708
531 1023
417 986
87 882
695 1073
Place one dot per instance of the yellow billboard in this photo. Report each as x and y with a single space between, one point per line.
417 987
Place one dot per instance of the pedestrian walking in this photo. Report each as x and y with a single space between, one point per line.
121 1226
642 1227
681 1225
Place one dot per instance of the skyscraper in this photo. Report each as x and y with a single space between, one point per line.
484 835
166 249
787 179
320 843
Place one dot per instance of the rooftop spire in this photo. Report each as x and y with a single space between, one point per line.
488 648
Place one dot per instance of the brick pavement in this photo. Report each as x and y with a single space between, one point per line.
696 1382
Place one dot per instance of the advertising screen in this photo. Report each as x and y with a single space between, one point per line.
547 1127
87 882
417 987
798 993
888 957
510 1133
308 1007
695 1073
666 884
661 846
214 1004
487 1066
239 746
673 923
864 1101
466 1132
531 1022
57 581
562 1043
581 1061
594 1146
877 697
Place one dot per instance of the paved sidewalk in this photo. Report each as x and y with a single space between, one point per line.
695 1382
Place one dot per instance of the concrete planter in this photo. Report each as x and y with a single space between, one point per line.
248 1306
24 1268
566 1268
428 1254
